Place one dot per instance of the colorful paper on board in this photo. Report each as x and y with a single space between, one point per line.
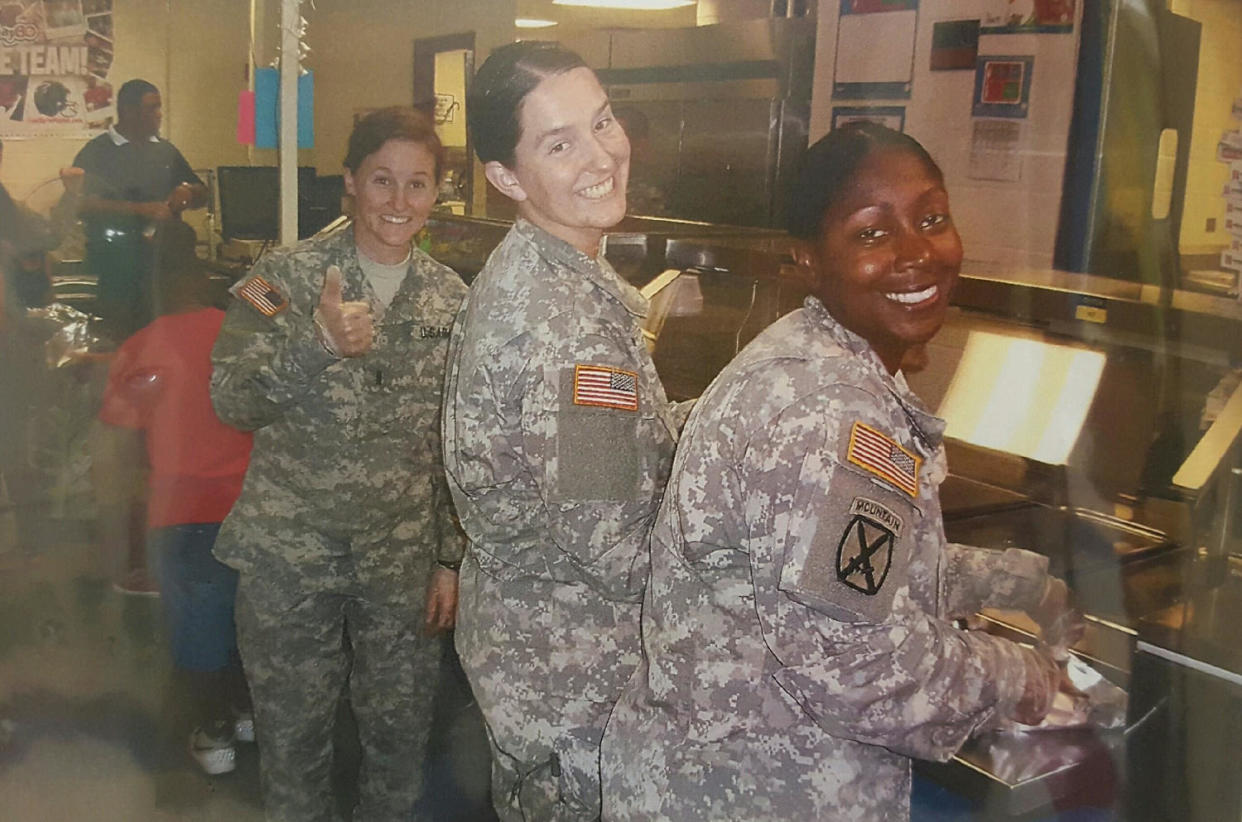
245 117
267 108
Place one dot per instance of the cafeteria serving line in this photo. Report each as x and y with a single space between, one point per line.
1087 370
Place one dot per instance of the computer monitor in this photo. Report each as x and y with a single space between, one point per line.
319 203
250 201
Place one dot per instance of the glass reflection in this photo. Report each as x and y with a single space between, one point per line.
1124 474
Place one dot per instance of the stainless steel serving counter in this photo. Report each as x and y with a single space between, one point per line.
1182 761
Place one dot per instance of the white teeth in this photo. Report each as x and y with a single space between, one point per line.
598 190
912 297
395 220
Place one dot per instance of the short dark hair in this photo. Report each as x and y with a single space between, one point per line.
178 274
392 123
132 92
494 104
829 166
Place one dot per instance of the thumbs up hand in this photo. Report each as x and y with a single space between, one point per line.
346 328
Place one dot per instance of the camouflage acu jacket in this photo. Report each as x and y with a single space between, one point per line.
558 439
346 474
795 625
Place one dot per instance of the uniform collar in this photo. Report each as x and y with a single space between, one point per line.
406 304
844 337
595 269
928 429
119 139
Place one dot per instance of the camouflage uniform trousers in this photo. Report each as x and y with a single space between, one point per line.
293 647
545 759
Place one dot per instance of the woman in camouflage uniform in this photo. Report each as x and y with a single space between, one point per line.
557 434
333 354
797 622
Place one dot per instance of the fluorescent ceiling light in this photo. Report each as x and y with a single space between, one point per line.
533 23
638 5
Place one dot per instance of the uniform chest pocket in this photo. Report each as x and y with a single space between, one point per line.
402 375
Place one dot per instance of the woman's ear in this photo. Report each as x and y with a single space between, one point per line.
506 181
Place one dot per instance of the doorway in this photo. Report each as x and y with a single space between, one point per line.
443 68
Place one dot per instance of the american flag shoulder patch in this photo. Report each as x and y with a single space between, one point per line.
880 454
259 292
605 387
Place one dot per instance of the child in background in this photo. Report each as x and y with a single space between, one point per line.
158 390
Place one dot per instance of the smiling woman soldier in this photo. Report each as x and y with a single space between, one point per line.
797 623
557 436
333 354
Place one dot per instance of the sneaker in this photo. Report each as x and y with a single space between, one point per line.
137 583
214 756
243 727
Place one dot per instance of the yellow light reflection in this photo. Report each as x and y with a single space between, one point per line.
1024 397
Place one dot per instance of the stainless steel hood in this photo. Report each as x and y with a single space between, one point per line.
717 115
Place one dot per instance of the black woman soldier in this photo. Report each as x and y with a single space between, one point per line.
797 625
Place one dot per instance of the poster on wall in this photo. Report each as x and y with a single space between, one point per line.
1028 16
55 56
446 108
955 45
1003 85
892 116
996 150
863 71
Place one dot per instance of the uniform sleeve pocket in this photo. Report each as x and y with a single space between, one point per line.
597 453
849 549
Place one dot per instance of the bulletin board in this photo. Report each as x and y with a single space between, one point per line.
862 70
1001 145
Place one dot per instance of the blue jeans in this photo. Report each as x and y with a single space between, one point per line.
197 593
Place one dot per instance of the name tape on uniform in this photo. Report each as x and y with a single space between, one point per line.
605 387
883 456
260 294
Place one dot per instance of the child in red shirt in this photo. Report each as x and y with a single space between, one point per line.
158 387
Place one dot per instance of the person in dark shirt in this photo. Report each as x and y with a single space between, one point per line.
134 181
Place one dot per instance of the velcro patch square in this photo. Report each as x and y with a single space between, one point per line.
849 551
